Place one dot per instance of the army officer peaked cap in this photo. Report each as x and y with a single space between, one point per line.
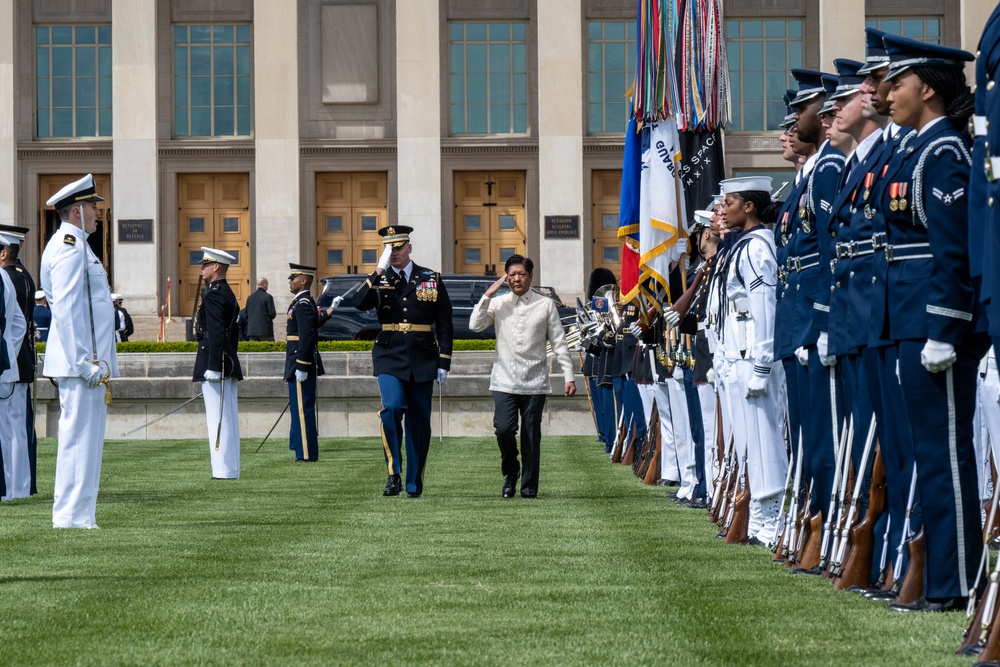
395 235
74 193
301 270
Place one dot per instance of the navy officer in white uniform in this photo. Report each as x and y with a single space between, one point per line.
80 352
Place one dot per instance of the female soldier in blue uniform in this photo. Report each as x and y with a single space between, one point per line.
302 363
929 307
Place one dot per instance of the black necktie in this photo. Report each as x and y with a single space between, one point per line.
402 275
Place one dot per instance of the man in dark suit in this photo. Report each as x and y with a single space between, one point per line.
260 313
302 363
412 350
216 365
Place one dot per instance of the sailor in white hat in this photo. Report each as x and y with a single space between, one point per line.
16 426
80 352
216 365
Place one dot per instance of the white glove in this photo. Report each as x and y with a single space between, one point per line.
756 386
92 375
442 375
213 376
383 261
937 356
802 354
823 347
671 318
679 373
301 376
337 300
898 379
710 376
679 249
635 329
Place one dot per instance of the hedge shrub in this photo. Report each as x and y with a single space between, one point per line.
276 346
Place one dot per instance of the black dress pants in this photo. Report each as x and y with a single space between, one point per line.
509 408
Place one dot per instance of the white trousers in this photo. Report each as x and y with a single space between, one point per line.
14 439
82 415
675 427
709 421
225 459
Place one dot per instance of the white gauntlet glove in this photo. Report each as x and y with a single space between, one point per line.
679 373
671 318
679 249
301 376
337 300
937 356
636 330
710 376
802 354
383 261
823 347
92 375
442 375
756 386
213 376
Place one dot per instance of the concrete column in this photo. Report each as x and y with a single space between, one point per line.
974 16
560 143
841 32
134 175
418 118
278 236
8 97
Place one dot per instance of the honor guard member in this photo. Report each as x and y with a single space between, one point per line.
80 352
412 350
984 183
749 276
930 309
302 363
16 404
217 365
42 317
12 441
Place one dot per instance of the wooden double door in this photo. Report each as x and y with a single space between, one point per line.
101 241
214 211
350 209
605 202
490 223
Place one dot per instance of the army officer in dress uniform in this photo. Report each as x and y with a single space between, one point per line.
408 354
80 352
302 363
216 365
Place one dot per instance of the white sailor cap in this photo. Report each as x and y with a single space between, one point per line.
216 256
746 184
7 240
703 218
77 191
115 296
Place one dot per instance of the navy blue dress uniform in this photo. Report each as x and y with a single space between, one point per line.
217 367
927 294
984 182
807 252
414 344
302 366
20 415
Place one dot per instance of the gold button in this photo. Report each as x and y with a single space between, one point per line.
404 310
404 322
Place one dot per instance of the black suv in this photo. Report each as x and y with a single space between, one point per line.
349 323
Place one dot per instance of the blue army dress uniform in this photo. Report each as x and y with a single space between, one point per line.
928 295
414 344
218 339
984 182
302 355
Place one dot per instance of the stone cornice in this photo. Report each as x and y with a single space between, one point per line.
753 143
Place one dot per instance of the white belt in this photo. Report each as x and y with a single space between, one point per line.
979 125
992 168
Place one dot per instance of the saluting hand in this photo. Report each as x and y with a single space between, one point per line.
495 287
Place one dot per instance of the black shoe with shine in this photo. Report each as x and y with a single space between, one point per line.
412 494
530 495
923 604
882 594
817 570
393 486
509 484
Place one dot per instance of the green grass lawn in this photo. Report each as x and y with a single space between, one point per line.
310 565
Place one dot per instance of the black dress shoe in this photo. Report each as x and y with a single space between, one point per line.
393 486
923 604
816 570
697 503
862 590
530 495
882 594
412 494
509 483
755 541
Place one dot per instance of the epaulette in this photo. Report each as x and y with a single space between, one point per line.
69 239
18 269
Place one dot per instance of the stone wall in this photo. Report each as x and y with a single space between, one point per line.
153 384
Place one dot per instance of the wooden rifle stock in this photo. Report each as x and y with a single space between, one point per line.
737 532
628 456
652 472
810 555
649 443
683 303
857 567
912 587
980 639
616 453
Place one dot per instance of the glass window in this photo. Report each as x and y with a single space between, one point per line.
924 29
473 256
236 254
334 223
196 225
507 223
231 225
505 254
334 256
611 254
73 81
194 257
369 223
488 86
760 53
211 80
369 256
473 223
610 70
609 221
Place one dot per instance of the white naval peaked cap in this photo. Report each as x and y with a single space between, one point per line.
214 255
77 191
115 296
746 184
7 239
